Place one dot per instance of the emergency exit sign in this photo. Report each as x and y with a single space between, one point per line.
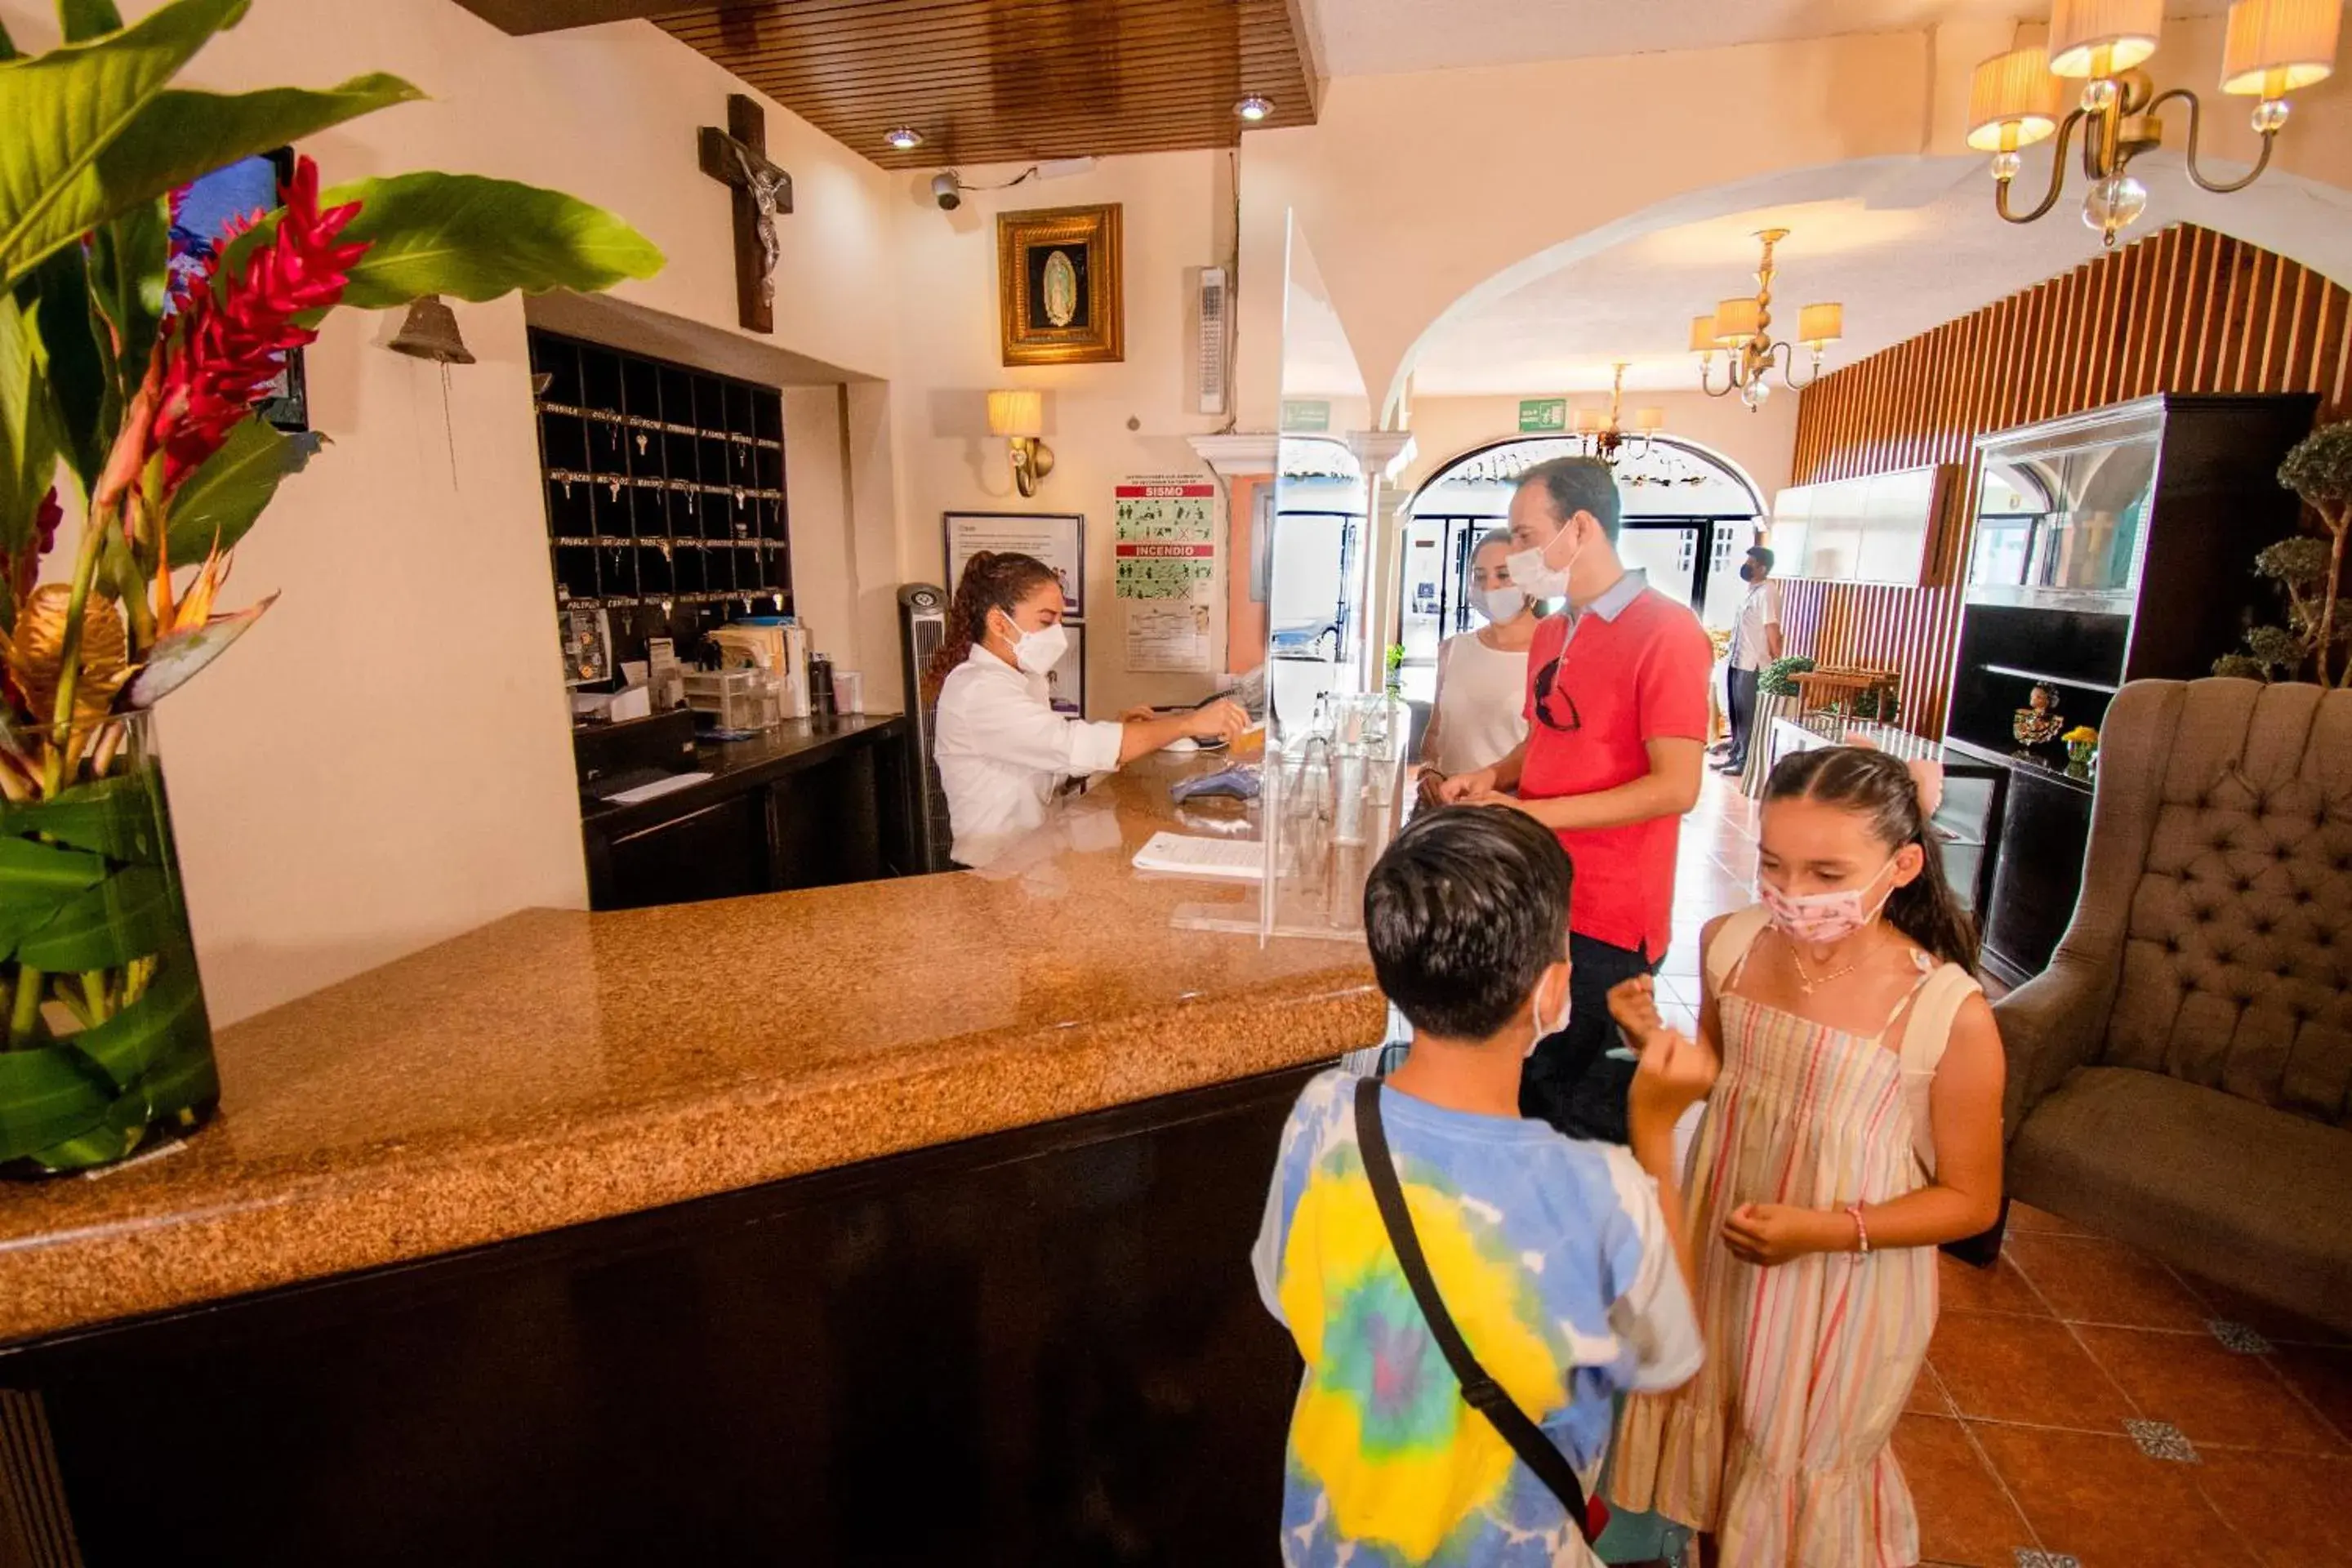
1306 414
1542 416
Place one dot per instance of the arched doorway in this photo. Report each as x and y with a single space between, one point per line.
1688 513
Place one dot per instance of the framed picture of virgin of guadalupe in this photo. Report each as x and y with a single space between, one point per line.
1058 297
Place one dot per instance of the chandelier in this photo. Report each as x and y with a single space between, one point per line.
2273 47
1742 329
1605 436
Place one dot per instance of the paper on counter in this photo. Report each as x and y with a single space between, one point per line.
657 788
1222 859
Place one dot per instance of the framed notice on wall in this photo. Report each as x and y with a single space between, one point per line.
1058 539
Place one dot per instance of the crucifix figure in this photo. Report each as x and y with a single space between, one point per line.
738 157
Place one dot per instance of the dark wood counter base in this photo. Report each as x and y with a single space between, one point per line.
1037 1347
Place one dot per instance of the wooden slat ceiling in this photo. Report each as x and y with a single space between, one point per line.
990 82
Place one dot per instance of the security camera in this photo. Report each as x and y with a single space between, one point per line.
946 191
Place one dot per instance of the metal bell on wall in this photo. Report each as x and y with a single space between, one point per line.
430 331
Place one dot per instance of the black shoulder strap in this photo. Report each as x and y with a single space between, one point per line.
1481 1393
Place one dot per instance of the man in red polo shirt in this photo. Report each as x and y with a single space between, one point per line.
1616 732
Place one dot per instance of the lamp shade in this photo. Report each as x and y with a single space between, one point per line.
2100 37
1702 335
1737 320
2012 101
1649 419
1016 411
1588 421
1821 323
2277 46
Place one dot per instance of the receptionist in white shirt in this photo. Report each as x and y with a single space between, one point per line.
1004 753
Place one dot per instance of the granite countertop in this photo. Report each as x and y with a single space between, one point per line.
558 1066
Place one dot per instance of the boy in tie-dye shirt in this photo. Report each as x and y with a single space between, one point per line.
1562 1262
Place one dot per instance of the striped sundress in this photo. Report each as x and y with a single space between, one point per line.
1780 1445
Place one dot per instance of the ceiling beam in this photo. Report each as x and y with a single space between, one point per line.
522 16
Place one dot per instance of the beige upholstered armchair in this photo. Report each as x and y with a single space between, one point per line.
2180 1076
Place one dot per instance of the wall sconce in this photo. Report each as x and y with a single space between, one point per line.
1018 414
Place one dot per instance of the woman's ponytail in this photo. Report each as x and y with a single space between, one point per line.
991 581
1879 786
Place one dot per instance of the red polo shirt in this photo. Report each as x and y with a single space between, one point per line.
1630 668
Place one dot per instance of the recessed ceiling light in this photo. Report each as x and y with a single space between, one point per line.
1253 107
904 138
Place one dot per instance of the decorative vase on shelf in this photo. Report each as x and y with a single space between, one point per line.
108 1048
2082 750
135 368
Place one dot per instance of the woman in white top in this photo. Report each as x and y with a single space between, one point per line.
1480 710
1003 750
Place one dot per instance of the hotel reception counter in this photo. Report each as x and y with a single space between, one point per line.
905 1222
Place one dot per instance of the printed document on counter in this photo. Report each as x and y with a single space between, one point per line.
1225 860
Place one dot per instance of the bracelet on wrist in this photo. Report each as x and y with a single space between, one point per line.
1861 1230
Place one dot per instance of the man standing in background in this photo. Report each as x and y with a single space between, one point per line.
1755 643
1617 724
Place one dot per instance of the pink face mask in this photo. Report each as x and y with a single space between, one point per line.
1821 918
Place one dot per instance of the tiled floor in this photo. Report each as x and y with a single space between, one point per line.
2083 1403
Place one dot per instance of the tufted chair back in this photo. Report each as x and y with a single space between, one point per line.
2221 852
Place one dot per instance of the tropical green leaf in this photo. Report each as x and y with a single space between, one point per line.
28 437
26 868
115 817
174 660
225 496
129 915
472 239
101 1146
184 134
20 917
46 1095
129 274
64 110
170 1094
77 368
85 19
172 1011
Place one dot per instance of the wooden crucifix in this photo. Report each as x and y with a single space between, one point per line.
738 156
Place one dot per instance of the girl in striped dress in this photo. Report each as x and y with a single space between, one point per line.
1857 1124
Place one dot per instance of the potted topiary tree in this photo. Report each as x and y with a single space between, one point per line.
126 398
2315 643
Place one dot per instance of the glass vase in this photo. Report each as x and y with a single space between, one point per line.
108 1047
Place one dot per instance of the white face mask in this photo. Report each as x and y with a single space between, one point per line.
1537 578
1039 651
1547 1028
1503 603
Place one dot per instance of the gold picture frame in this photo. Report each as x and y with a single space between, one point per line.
1059 298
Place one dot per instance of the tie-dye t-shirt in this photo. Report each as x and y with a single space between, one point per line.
1552 1255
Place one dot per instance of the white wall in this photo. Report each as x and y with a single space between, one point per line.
385 760
1762 442
1422 191
1104 422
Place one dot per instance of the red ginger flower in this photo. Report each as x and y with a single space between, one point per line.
229 343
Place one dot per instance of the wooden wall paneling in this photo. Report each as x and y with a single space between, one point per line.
2185 309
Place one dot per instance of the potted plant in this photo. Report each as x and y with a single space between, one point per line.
125 400
2315 643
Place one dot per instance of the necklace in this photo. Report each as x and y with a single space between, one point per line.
1807 982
